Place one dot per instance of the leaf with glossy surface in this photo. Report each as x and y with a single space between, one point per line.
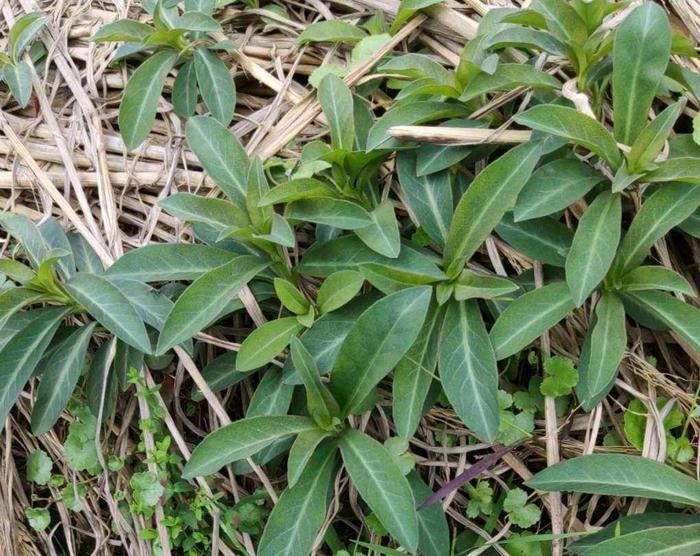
215 84
376 343
382 235
490 195
594 246
194 309
240 440
529 316
338 289
137 111
468 369
110 307
619 475
641 53
266 342
382 485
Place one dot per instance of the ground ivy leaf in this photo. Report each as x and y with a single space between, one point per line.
39 467
560 377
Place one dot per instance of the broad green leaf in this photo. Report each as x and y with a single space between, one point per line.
301 453
195 308
60 378
382 235
16 271
101 383
490 195
205 6
594 245
23 32
221 155
332 31
215 84
543 239
110 307
168 261
413 375
676 169
428 197
602 351
562 20
291 297
619 475
17 322
433 531
376 343
655 278
667 207
258 186
338 213
555 186
123 30
468 369
21 354
184 95
218 213
295 520
195 20
220 374
86 260
348 253
658 541
641 53
295 190
508 77
574 126
473 285
19 80
13 299
521 37
431 158
409 113
39 466
240 440
529 316
152 306
683 318
337 104
27 234
281 232
137 111
651 139
338 289
407 9
56 238
266 342
381 485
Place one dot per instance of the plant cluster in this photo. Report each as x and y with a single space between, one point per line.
368 264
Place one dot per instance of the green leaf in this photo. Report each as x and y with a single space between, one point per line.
519 511
468 369
665 208
195 20
38 518
337 104
376 343
291 297
13 299
110 307
641 54
570 124
490 195
152 306
19 80
169 261
23 32
382 235
301 453
220 374
529 316
221 155
184 95
295 190
332 31
137 111
338 289
683 318
508 77
218 213
80 448
16 271
240 440
123 30
338 213
679 540
215 84
428 197
655 278
433 531
594 246
413 375
651 139
60 377
562 21
543 239
281 232
602 351
473 285
520 37
295 520
39 467
619 475
203 299
676 169
21 354
266 342
560 376
381 485
27 234
555 186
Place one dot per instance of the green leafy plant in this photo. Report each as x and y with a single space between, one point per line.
15 71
